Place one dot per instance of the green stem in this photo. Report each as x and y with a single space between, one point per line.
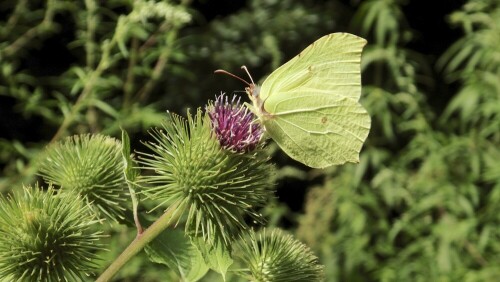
92 22
89 87
135 205
44 27
21 8
140 242
129 83
161 64
474 252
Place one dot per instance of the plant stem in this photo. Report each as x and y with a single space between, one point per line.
89 87
160 66
140 242
21 7
92 22
135 205
128 86
44 27
474 252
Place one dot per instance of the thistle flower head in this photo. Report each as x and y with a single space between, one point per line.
90 166
46 237
217 189
277 257
234 124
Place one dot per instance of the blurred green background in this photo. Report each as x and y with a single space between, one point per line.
422 205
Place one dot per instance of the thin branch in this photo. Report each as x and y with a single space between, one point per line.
160 66
474 252
92 22
128 86
40 29
87 90
14 17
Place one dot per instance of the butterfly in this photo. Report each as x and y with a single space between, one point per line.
310 105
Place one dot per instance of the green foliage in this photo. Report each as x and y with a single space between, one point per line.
111 63
474 61
216 255
175 250
422 204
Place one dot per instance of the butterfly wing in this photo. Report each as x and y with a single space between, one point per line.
330 65
313 104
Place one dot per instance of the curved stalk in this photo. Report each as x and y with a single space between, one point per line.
140 242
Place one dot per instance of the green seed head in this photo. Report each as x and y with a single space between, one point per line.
277 257
90 166
46 237
215 187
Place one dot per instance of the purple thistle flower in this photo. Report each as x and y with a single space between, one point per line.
233 124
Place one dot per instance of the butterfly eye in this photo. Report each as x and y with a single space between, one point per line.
255 91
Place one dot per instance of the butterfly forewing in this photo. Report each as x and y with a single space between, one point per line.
332 63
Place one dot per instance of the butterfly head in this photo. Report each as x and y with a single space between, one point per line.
252 89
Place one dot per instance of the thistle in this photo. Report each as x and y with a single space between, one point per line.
233 124
90 166
277 257
216 188
46 237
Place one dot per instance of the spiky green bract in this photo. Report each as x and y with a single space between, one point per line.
216 188
90 166
273 256
46 236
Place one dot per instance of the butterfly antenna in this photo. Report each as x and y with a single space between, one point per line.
248 73
233 75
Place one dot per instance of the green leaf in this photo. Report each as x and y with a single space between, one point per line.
174 250
105 107
216 255
131 174
130 171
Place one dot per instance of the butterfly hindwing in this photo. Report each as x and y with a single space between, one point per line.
330 131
